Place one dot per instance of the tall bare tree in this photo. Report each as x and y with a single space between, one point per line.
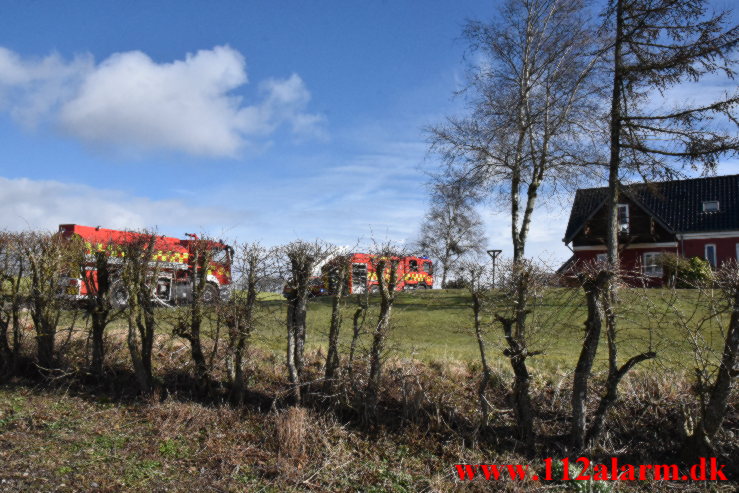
535 94
655 45
451 228
533 97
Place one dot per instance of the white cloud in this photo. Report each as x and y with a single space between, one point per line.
31 204
130 102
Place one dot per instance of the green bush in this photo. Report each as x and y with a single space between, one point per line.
685 273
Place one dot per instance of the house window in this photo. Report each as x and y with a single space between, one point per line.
623 218
601 257
710 206
652 266
710 254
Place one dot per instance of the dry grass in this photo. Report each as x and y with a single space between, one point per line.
71 434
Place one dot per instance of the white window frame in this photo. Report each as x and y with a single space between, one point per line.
650 266
715 254
706 202
623 227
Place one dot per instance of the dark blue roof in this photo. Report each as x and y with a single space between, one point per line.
678 204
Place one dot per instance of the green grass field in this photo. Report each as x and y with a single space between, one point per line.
437 326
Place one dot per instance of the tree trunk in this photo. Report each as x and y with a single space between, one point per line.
387 298
378 346
5 353
486 374
716 408
614 164
611 394
332 356
358 320
292 368
594 292
100 310
98 347
239 378
45 335
300 315
522 408
136 347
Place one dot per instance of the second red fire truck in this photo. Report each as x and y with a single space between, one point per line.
413 273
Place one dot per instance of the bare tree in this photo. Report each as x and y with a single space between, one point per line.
358 320
452 227
533 99
98 303
13 268
302 258
477 277
50 257
656 44
519 282
137 279
204 295
594 283
536 92
338 273
252 264
385 260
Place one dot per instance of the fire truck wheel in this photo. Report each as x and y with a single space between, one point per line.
210 294
118 295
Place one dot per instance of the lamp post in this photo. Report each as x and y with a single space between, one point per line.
494 255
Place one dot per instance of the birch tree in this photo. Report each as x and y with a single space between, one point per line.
530 130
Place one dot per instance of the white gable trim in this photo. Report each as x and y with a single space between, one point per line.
708 236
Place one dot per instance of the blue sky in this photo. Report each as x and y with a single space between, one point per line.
249 120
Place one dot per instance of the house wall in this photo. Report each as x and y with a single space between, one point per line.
726 248
631 260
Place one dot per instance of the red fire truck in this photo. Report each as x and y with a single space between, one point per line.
413 273
172 258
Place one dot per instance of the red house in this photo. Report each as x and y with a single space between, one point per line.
698 217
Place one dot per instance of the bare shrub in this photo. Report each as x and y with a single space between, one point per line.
301 258
13 268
